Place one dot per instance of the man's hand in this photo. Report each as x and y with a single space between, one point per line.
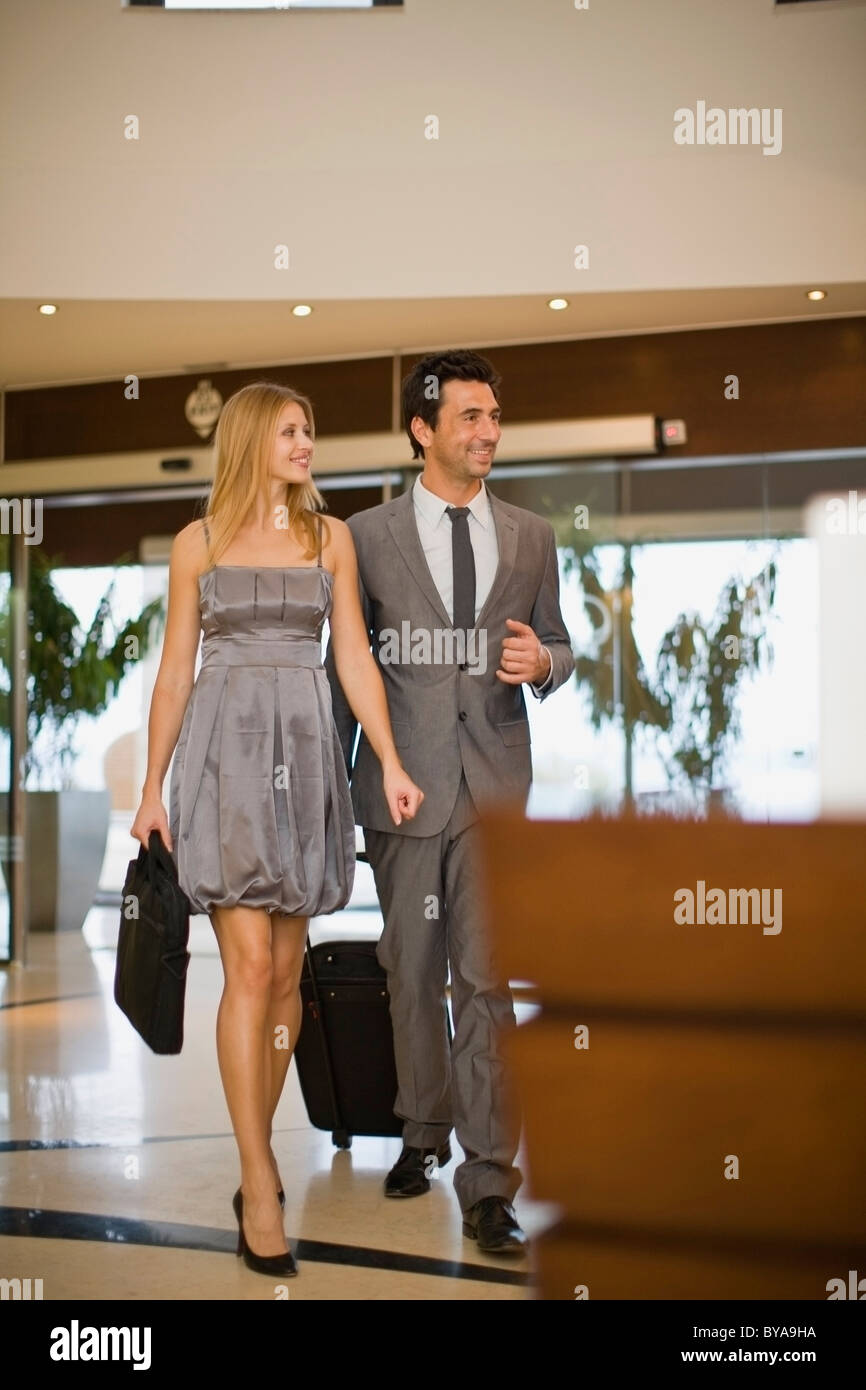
403 797
523 657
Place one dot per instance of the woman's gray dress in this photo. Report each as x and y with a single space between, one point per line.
260 810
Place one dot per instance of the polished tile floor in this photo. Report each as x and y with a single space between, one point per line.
117 1166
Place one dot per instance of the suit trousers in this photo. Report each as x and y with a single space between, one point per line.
429 892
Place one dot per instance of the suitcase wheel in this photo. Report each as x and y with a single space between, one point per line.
341 1139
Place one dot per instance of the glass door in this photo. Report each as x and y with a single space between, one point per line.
13 716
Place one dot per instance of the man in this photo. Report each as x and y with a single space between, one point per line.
461 596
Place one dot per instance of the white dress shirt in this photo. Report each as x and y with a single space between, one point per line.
435 532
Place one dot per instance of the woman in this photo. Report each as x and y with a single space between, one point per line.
261 822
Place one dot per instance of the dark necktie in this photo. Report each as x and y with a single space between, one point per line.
463 565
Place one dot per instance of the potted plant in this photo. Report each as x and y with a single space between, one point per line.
689 703
73 674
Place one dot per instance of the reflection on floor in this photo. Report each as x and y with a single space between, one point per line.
118 1166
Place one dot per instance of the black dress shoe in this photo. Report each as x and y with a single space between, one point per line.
493 1224
408 1177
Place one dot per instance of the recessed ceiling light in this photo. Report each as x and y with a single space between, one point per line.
48 308
301 311
816 294
557 303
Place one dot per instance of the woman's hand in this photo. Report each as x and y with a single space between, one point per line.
151 816
401 794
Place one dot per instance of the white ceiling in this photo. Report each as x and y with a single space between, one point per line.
184 176
89 340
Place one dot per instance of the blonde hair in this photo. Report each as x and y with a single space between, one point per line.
243 444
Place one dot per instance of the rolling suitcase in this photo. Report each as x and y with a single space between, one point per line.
345 1051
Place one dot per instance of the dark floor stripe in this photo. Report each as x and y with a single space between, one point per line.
36 1223
53 999
14 1146
22 1145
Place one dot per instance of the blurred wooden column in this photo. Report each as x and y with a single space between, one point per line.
669 1057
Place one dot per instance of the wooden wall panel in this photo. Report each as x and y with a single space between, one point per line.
802 385
66 421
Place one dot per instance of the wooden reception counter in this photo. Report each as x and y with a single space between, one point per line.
692 1089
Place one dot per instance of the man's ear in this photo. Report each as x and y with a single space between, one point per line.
421 431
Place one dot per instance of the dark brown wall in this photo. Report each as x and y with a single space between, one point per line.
802 386
64 421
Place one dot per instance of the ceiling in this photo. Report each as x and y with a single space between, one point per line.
92 340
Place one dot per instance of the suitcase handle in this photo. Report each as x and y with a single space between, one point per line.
338 1125
329 1071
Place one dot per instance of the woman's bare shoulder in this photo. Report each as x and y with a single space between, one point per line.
189 548
336 535
335 529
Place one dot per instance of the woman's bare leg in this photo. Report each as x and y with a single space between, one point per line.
244 938
288 935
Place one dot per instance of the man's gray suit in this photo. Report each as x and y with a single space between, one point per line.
463 736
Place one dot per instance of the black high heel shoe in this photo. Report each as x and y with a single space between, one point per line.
281 1198
282 1266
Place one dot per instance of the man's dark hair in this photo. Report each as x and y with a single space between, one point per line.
422 388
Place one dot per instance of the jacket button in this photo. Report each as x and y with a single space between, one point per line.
462 714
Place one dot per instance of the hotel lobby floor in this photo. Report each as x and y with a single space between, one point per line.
117 1167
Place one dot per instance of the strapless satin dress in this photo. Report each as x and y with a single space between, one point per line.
260 809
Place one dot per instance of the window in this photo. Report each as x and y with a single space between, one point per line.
690 595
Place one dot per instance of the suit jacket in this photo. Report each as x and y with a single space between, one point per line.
448 714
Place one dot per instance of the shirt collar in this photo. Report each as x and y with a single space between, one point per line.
432 508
